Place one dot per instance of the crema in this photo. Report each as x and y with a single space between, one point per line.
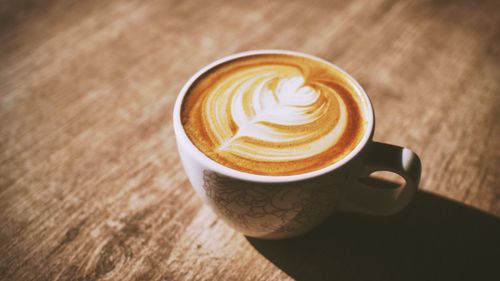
274 114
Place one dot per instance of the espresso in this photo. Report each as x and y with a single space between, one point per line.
274 114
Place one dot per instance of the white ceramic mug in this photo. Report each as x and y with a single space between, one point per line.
285 206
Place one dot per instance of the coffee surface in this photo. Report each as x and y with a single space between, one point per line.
274 114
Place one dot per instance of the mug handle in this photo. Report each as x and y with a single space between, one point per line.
364 197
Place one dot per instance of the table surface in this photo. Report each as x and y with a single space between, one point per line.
91 186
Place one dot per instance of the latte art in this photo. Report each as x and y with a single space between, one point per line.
274 106
273 114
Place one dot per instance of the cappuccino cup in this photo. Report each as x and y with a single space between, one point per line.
276 141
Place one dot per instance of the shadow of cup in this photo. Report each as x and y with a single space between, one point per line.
433 239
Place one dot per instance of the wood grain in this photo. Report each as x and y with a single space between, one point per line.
91 187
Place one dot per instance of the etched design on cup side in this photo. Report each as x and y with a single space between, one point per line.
257 208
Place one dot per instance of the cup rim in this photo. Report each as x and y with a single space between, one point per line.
181 135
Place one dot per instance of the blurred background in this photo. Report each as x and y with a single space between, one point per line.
90 182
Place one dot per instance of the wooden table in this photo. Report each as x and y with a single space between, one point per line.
91 187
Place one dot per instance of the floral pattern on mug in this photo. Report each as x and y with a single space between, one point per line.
270 208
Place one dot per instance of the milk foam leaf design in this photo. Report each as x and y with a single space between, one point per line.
274 114
275 110
283 105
